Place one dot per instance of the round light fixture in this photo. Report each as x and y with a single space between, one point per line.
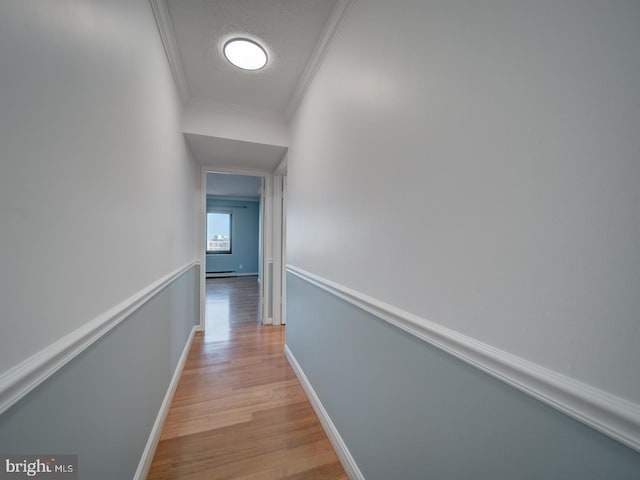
245 54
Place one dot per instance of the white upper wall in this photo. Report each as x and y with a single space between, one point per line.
477 164
98 195
235 122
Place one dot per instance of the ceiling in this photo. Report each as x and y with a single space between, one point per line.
290 31
234 119
238 186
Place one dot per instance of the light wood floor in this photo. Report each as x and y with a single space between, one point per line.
239 411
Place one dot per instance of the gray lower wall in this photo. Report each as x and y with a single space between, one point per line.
407 410
102 405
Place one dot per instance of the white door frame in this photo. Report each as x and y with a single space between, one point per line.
283 268
279 243
266 250
271 260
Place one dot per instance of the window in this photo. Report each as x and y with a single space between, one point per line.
219 232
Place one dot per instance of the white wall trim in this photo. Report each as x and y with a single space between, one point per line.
154 437
281 168
201 244
267 250
606 413
163 21
338 15
16 382
278 260
347 461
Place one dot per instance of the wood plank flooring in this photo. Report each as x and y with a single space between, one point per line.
239 411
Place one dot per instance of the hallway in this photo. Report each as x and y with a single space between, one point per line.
239 411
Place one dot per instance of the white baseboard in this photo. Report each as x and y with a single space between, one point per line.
602 411
154 437
347 461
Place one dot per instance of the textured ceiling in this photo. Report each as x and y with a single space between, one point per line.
289 30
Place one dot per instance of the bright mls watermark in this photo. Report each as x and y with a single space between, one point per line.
53 467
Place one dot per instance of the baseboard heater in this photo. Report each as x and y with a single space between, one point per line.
221 273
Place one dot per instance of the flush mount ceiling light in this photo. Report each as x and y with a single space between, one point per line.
245 54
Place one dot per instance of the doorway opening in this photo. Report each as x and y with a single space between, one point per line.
242 238
232 225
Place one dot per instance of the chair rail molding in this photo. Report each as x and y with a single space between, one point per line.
19 380
600 410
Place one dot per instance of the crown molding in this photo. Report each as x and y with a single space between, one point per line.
613 416
336 19
163 21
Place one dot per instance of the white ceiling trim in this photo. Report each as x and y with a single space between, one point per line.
163 21
336 19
